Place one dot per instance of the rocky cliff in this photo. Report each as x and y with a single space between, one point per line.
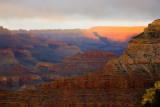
120 83
76 65
19 77
111 39
7 60
28 49
25 58
118 33
81 64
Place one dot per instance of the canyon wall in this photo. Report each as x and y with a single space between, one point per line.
120 83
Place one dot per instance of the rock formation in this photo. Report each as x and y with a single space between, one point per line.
76 65
81 64
118 33
43 67
111 39
29 49
4 31
25 58
16 78
121 83
7 60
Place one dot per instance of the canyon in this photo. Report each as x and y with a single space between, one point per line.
26 49
20 78
120 83
72 66
111 39
55 54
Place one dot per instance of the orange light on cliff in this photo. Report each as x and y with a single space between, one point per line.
118 33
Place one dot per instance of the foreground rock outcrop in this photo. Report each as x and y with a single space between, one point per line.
121 83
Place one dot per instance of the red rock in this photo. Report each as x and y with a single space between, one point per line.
56 43
7 53
85 63
22 53
44 67
7 60
18 76
118 33
121 83
18 70
76 65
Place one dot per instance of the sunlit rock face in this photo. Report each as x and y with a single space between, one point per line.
142 55
111 39
43 67
120 83
118 33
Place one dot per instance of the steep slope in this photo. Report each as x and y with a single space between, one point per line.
121 83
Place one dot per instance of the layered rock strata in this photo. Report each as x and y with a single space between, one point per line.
121 83
76 65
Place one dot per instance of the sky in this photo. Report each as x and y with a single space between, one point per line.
81 14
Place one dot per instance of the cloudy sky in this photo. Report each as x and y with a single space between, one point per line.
66 14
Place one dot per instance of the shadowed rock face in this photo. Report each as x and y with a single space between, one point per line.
28 49
111 39
4 31
84 63
7 60
76 65
17 77
121 83
25 58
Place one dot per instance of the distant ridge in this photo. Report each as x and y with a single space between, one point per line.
120 83
118 33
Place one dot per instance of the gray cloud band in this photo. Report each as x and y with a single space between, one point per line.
94 9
